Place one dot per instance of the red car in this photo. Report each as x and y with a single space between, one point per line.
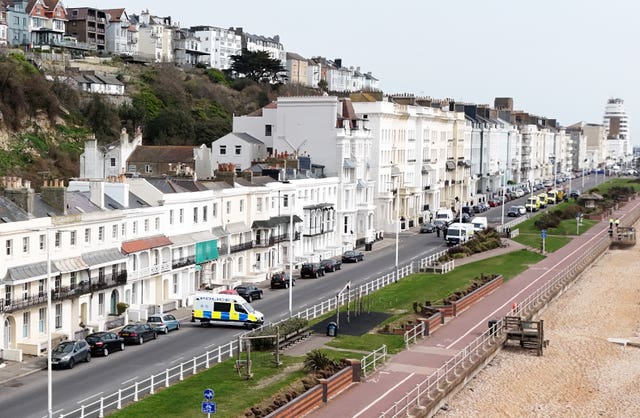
493 203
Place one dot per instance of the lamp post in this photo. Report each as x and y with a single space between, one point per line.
397 228
49 327
504 178
290 255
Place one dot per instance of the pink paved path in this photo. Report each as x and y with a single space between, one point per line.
405 370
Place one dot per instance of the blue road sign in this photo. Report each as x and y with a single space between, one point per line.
543 234
208 407
208 394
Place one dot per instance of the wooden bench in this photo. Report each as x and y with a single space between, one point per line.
294 338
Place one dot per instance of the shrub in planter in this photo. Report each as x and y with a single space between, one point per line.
121 307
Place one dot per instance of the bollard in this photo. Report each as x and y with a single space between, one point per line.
135 392
219 354
101 412
206 362
181 372
119 399
166 378
195 365
151 391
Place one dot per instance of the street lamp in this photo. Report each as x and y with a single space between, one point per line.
290 255
504 177
49 327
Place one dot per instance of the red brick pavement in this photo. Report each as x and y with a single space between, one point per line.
407 369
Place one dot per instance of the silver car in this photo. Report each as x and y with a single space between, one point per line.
68 353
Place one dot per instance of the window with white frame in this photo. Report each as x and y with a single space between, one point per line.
42 242
72 238
57 239
58 315
175 284
195 215
87 235
25 245
181 216
42 317
171 216
112 162
146 225
101 233
101 304
238 149
205 212
223 149
73 277
214 210
114 231
157 223
228 208
25 324
241 205
147 168
42 287
240 263
259 204
135 227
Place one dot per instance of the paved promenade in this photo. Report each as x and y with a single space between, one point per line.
405 370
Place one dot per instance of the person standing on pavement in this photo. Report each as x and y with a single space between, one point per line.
610 223
617 223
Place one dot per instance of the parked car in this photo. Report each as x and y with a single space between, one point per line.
521 209
331 264
68 353
228 292
249 292
311 270
138 333
104 343
494 202
352 256
163 323
513 212
440 224
574 194
427 228
281 279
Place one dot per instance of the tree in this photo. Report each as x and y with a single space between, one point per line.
258 66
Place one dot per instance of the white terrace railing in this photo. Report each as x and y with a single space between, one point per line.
373 359
411 336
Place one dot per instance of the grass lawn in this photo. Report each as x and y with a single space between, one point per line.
552 243
616 182
233 394
368 342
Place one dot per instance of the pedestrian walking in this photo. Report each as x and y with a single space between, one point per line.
610 223
617 223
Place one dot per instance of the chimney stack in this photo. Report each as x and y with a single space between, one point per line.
53 193
19 192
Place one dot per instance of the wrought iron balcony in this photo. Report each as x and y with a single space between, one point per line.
241 247
183 262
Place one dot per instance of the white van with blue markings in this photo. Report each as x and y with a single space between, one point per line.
223 309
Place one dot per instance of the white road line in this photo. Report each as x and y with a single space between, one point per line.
89 397
56 412
176 359
581 248
362 411
211 345
127 381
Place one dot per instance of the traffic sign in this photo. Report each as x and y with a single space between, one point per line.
208 407
208 394
543 234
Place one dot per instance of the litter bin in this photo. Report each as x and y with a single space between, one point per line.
332 329
368 246
493 326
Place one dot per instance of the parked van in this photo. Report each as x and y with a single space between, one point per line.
479 223
224 309
533 204
445 215
543 200
458 233
552 196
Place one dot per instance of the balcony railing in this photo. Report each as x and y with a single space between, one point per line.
64 292
183 262
149 271
241 247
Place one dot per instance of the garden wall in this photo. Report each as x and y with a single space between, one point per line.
464 302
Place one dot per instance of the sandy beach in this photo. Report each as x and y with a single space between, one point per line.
581 373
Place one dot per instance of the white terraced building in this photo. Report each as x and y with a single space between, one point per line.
617 125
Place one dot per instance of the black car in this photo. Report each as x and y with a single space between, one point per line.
574 194
138 333
311 270
331 264
104 343
249 292
513 212
352 256
427 228
440 224
281 279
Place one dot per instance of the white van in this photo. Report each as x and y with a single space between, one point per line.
445 215
224 309
479 223
458 233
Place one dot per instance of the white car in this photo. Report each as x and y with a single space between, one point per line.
518 192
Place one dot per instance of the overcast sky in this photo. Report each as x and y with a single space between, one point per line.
560 59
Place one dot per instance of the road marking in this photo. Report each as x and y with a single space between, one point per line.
211 345
177 359
59 410
127 381
550 269
362 411
89 397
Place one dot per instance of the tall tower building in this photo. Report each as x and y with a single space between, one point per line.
616 124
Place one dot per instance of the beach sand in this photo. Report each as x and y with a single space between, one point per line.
581 374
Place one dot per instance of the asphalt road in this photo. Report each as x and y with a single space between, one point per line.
27 397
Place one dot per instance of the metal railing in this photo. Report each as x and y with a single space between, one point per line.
411 336
373 359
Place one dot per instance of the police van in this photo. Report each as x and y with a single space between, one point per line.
222 309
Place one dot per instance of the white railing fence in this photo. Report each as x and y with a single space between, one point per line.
373 359
411 336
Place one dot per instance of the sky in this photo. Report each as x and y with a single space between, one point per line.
560 59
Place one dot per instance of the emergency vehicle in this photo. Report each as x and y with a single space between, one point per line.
223 309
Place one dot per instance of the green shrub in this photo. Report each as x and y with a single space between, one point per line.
288 326
316 360
121 307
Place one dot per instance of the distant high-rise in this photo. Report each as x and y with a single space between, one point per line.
616 120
